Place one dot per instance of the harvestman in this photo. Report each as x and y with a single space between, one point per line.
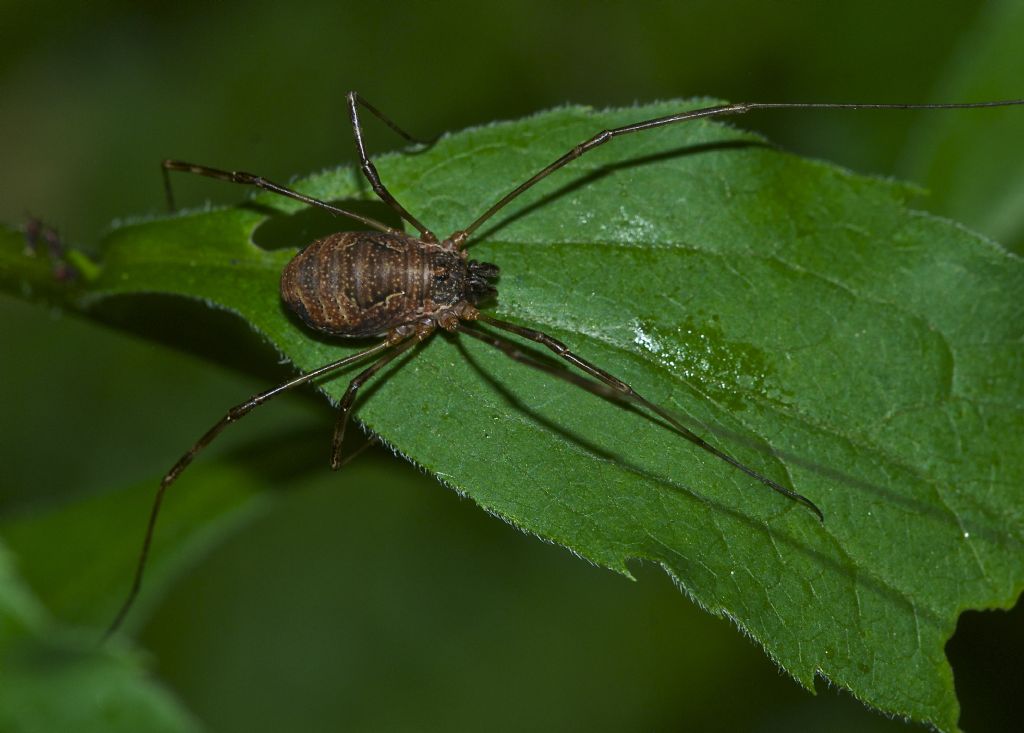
388 284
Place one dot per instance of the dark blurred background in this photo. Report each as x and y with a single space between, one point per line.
375 599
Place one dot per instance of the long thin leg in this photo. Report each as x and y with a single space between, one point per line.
513 351
233 415
460 237
251 179
387 120
367 444
370 170
345 406
618 388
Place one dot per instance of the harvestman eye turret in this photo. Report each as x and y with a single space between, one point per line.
401 289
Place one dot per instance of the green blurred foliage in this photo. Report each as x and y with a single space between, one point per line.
455 621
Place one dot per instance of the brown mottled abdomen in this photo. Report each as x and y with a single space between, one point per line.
366 283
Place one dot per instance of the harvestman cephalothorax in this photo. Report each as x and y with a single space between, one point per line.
400 288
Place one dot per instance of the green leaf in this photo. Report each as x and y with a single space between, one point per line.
54 679
108 527
798 316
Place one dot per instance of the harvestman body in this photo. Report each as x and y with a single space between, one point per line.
401 288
